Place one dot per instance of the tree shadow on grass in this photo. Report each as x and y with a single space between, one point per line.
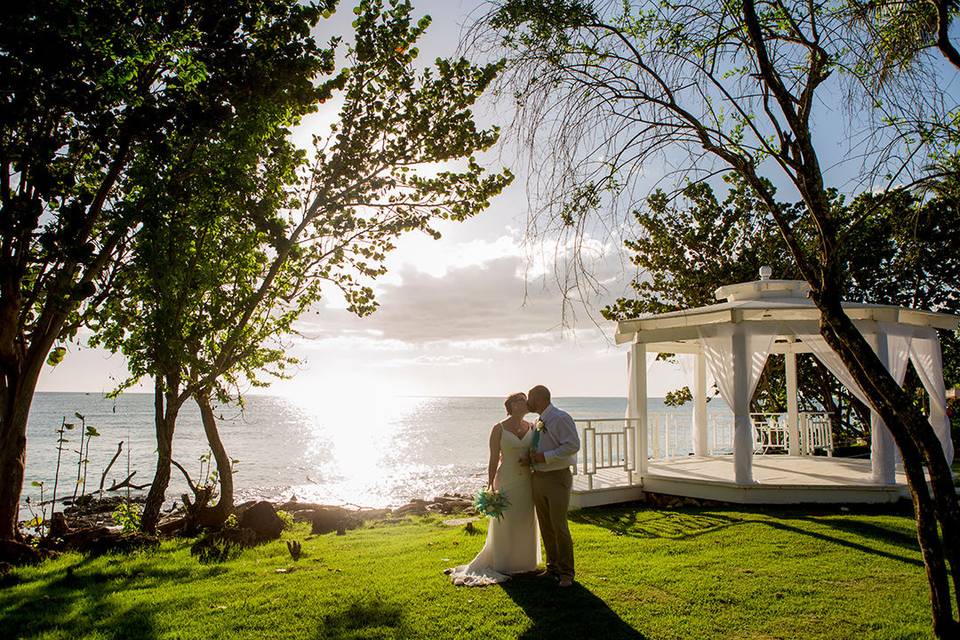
78 600
574 612
685 523
875 532
865 530
367 618
676 524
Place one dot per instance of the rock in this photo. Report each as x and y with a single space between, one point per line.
263 519
447 505
302 515
81 539
327 519
413 508
100 540
58 525
122 543
18 553
243 506
373 514
171 524
460 522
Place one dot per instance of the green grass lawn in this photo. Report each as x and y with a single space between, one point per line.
642 573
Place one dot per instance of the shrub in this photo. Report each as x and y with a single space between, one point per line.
127 516
287 518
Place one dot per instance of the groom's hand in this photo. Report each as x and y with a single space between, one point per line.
529 459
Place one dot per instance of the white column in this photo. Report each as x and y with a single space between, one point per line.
742 426
638 353
793 414
700 447
882 448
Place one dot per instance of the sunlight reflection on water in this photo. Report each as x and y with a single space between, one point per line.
371 450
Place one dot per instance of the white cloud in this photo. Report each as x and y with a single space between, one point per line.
476 296
436 361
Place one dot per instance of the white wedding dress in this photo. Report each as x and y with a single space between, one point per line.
513 542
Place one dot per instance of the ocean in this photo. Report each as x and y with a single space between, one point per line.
373 452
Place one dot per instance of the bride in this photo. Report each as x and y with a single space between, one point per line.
513 542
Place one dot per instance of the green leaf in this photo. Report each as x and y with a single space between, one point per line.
56 355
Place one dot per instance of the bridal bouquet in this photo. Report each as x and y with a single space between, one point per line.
491 503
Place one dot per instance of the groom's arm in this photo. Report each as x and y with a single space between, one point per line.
565 434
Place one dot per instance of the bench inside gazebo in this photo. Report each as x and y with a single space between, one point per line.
731 454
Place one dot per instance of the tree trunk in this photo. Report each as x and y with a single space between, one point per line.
216 515
16 397
166 405
918 444
13 458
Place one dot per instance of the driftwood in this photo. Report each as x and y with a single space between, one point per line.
198 515
126 483
295 549
185 474
105 471
201 495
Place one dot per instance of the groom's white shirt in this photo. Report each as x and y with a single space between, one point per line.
559 441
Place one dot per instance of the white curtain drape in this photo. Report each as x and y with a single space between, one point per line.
718 351
719 348
898 354
928 362
899 345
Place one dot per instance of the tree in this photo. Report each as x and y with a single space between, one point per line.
233 254
897 32
727 86
195 256
901 254
87 87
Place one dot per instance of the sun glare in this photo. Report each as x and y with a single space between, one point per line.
353 442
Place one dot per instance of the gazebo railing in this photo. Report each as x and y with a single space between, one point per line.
670 435
609 444
816 432
771 433
606 443
719 435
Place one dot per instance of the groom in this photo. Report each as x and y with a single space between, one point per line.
552 480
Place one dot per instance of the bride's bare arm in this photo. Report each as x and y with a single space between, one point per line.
494 454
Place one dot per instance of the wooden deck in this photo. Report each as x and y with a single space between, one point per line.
777 480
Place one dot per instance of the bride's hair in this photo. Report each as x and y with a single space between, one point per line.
511 398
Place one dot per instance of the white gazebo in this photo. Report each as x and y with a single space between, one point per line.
731 342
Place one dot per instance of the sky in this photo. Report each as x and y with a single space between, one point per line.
476 313
471 314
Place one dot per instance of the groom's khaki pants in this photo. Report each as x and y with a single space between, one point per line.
551 496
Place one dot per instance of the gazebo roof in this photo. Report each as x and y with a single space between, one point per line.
773 302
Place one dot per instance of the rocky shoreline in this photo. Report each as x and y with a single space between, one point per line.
88 526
